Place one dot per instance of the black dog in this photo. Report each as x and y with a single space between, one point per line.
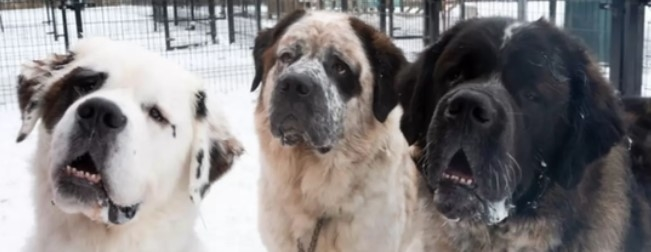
523 142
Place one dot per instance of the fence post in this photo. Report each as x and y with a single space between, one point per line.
258 14
231 21
462 10
344 5
64 18
522 10
175 12
432 21
382 8
47 11
213 21
166 25
633 48
55 31
391 12
192 10
77 7
552 11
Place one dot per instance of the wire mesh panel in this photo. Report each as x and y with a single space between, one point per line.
213 38
646 60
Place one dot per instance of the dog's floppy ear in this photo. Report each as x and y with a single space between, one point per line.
594 112
214 148
386 61
265 40
34 81
416 87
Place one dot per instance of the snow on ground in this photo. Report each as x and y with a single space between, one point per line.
229 213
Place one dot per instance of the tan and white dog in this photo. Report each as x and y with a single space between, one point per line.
128 145
336 170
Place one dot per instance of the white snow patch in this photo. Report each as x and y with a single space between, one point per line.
497 211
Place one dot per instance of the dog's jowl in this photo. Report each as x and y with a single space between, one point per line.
128 145
336 171
522 143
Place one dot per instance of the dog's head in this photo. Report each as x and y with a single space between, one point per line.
122 130
324 76
503 110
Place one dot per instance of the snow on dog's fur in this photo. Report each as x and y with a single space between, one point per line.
336 170
128 145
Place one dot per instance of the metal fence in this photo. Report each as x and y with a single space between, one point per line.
213 38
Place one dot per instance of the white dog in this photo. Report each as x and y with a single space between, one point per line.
128 145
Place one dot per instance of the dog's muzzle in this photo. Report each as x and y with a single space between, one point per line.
300 112
82 176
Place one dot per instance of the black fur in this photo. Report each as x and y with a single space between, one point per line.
347 83
74 85
553 115
386 61
201 110
418 91
199 162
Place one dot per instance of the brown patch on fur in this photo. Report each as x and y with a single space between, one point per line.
222 157
58 98
386 61
265 41
29 85
26 90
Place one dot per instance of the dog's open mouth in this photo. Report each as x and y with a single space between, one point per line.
84 168
458 171
83 179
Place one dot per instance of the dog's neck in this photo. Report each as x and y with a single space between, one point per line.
305 174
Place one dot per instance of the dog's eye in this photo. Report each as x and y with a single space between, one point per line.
531 96
155 114
87 85
340 68
286 58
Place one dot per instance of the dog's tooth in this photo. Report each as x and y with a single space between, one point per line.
455 177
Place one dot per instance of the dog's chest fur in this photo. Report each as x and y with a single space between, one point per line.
366 202
603 216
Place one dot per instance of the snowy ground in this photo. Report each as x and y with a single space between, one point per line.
228 219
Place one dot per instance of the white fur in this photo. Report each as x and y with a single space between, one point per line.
509 31
498 211
147 165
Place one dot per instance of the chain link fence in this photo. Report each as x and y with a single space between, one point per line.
213 38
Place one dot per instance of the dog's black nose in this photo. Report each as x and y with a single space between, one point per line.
101 115
296 85
471 105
